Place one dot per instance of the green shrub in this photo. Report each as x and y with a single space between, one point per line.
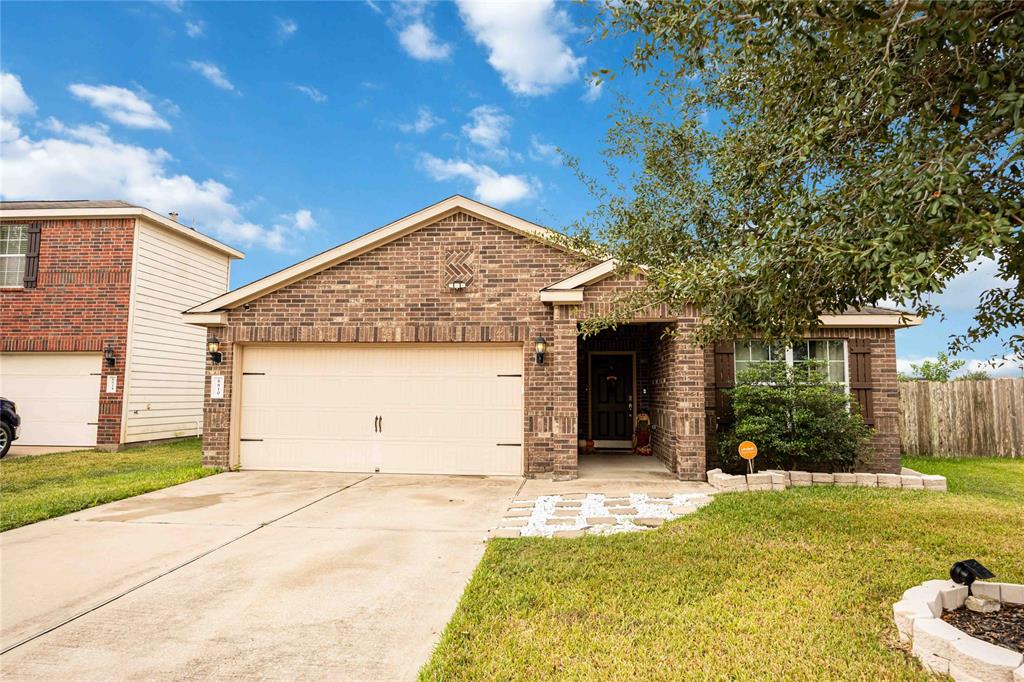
797 419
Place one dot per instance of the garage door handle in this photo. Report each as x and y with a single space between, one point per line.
380 424
509 445
376 424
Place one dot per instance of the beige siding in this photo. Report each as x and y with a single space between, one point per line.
166 357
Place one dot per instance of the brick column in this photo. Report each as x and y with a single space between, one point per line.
691 454
217 412
563 386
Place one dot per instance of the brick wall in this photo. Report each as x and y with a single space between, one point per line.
80 302
885 455
398 293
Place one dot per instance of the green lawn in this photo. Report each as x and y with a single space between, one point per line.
44 486
783 585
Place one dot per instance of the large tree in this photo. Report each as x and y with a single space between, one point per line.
859 152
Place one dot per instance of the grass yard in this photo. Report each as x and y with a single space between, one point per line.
43 486
782 585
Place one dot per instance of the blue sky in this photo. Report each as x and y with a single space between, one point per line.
287 128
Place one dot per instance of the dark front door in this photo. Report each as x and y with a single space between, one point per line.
611 397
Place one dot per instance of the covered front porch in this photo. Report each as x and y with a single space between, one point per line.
640 403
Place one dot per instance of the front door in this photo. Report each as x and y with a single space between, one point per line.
611 399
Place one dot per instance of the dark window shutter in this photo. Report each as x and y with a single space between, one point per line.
860 377
725 378
34 232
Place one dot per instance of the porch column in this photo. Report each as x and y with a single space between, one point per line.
691 456
562 355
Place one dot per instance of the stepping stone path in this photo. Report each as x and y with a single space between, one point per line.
576 514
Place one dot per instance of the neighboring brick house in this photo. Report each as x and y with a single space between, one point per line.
414 349
93 349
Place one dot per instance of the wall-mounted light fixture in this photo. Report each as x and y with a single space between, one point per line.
541 347
457 285
213 346
108 356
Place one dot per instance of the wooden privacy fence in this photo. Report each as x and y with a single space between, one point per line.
962 418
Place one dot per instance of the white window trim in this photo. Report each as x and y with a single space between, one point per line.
789 360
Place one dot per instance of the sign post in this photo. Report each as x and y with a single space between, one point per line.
748 451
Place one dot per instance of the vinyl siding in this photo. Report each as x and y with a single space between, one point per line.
166 357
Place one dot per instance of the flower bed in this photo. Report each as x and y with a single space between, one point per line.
777 479
944 648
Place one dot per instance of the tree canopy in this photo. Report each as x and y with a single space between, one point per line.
866 151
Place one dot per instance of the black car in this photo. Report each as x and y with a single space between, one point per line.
10 425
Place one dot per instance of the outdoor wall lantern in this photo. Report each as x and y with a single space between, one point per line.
213 345
541 346
108 356
967 571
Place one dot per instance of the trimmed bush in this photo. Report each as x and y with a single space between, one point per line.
797 419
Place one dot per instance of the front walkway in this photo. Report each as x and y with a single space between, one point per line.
250 575
616 474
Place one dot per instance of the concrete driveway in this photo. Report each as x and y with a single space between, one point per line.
263 575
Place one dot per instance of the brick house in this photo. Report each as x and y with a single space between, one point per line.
92 345
447 342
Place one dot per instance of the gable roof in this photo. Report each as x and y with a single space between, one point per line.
370 241
87 208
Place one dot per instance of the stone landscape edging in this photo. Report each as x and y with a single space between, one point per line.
779 479
947 650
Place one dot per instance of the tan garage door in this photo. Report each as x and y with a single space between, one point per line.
58 396
440 409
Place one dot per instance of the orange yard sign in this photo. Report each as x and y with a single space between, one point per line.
748 450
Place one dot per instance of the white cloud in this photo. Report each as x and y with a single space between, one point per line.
425 120
1001 366
85 161
489 186
489 128
283 233
212 73
593 91
962 292
286 28
419 41
194 27
526 43
120 105
311 92
13 100
540 151
410 21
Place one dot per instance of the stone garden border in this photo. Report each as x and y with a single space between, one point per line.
777 479
947 650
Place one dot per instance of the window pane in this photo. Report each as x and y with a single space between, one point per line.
836 350
837 372
13 239
759 352
742 351
12 271
799 351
